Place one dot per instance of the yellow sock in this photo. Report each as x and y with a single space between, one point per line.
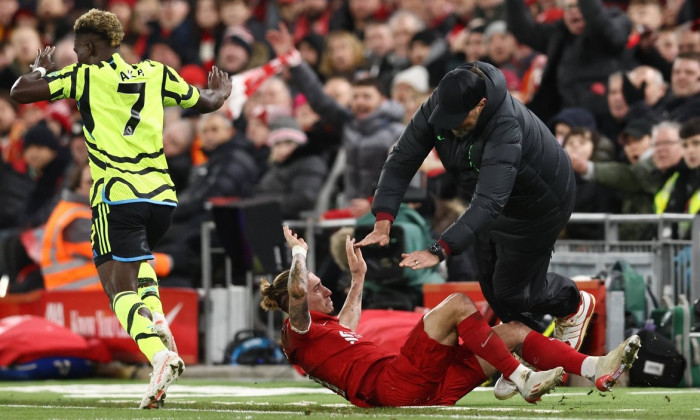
126 306
149 293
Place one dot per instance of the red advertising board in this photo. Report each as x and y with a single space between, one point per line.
88 314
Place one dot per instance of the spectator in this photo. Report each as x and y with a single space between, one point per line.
370 126
685 88
488 11
410 88
581 143
431 52
641 184
209 30
576 71
688 40
475 48
379 46
47 162
682 187
501 47
667 44
64 54
239 13
344 56
612 123
404 25
314 18
178 137
236 50
7 12
570 118
174 26
648 85
296 173
229 172
358 13
24 43
439 16
311 49
11 130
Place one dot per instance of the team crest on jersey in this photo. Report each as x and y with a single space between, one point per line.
130 75
351 338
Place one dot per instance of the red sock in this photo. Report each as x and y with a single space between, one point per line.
483 341
547 353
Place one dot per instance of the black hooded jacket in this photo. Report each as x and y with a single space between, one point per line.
519 179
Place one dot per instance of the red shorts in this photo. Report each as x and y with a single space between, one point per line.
426 373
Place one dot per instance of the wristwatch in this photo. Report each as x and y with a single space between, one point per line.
436 249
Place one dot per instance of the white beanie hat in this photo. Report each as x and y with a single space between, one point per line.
415 76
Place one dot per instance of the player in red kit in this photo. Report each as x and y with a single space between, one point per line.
450 351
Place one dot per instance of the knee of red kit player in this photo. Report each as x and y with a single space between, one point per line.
460 303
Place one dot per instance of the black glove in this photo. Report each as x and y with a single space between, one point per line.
630 92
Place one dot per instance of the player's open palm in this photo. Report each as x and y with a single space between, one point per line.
43 59
219 81
292 238
357 264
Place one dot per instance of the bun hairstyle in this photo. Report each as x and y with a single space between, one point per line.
275 295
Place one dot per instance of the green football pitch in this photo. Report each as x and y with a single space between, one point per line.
206 399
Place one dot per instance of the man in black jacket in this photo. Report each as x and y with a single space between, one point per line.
521 187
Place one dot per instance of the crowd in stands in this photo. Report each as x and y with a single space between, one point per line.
617 82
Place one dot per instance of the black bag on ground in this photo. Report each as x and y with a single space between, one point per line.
659 363
252 347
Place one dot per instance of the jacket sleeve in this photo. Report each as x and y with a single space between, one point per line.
524 28
625 177
499 168
330 111
608 28
414 144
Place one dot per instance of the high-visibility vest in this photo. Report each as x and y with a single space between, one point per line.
67 265
664 194
694 203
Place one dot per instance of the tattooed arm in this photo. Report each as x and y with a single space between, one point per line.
349 316
299 316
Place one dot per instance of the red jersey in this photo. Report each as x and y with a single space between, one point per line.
336 357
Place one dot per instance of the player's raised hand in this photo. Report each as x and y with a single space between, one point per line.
357 264
219 81
43 59
292 238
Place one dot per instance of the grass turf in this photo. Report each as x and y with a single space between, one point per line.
200 399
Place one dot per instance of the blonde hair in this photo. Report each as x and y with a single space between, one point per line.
275 295
104 24
326 66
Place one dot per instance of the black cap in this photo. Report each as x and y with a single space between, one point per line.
40 135
458 93
637 128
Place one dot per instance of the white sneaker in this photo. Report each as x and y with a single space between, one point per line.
572 329
163 330
613 364
539 383
167 367
504 388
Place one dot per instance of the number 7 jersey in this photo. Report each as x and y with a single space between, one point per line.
122 110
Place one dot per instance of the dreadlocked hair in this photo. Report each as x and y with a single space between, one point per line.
275 295
101 23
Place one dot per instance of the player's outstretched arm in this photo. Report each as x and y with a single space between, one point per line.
219 90
299 316
349 316
32 87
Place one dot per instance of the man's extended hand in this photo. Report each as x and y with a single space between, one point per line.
43 59
419 259
380 235
219 81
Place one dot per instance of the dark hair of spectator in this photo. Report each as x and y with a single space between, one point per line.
689 56
690 128
367 82
106 25
586 133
